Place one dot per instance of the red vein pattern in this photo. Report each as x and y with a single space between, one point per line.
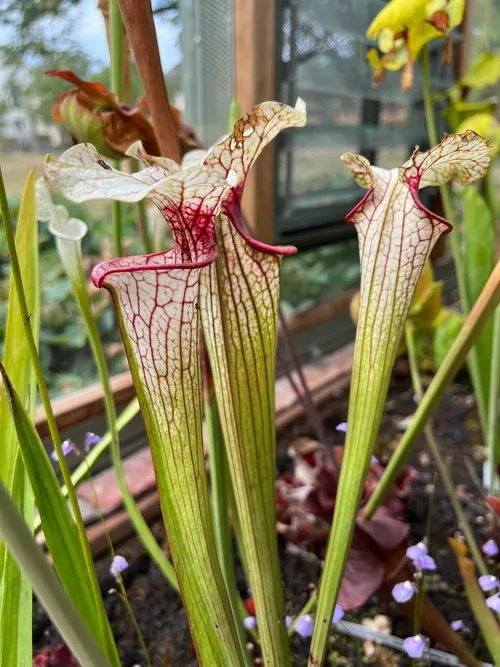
396 234
239 311
157 300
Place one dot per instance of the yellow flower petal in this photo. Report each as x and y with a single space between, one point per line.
397 15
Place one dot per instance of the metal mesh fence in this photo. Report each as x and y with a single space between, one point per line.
207 67
322 46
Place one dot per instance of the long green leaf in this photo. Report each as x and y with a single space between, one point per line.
473 325
15 590
59 528
478 248
47 586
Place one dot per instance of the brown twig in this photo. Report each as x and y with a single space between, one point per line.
302 391
138 19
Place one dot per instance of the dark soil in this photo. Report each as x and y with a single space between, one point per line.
159 611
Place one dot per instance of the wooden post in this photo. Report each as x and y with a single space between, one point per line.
254 68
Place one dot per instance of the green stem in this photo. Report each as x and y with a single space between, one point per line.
490 195
436 453
116 47
143 223
83 470
51 421
116 86
143 218
124 598
117 223
492 433
493 430
46 584
136 517
306 609
220 494
474 367
473 325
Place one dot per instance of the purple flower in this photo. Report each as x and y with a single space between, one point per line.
118 565
493 602
67 447
91 439
249 622
456 626
424 563
416 399
305 626
342 427
338 614
417 551
490 548
488 582
403 592
288 621
415 646
374 459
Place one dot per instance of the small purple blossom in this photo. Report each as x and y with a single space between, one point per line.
67 447
91 439
338 614
490 548
305 626
415 646
403 592
458 626
417 551
249 622
488 582
374 459
493 602
342 427
416 399
118 565
288 621
424 563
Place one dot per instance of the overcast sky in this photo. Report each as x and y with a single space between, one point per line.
89 32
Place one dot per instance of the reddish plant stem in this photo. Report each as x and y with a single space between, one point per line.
138 18
303 392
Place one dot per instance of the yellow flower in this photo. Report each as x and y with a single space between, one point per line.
404 27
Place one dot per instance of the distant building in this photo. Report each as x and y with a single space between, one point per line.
21 128
17 130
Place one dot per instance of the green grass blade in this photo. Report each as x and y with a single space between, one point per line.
47 586
84 468
473 325
15 590
59 528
